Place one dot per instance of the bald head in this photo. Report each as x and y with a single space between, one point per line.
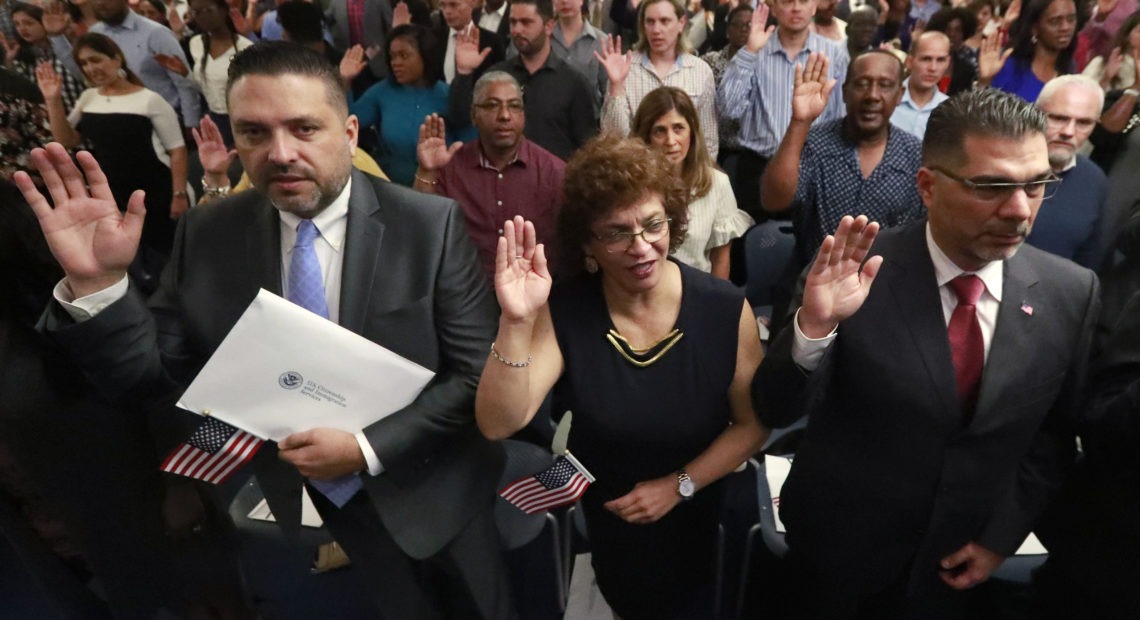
928 61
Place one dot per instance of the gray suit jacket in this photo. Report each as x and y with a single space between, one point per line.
888 474
377 25
411 283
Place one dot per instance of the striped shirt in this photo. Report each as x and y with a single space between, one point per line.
689 73
714 221
757 90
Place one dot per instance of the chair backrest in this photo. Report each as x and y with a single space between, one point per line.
767 249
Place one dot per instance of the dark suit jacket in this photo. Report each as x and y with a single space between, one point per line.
504 29
486 39
888 476
411 282
377 25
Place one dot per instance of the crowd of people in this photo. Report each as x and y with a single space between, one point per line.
550 204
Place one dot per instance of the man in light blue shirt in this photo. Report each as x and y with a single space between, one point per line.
756 84
141 40
927 63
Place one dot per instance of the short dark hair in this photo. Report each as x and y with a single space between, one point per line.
611 172
545 8
851 74
426 44
985 112
740 8
275 58
941 20
1024 42
302 20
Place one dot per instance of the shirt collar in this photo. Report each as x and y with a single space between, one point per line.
130 22
681 62
945 270
522 156
502 10
938 98
588 30
1069 166
332 223
812 44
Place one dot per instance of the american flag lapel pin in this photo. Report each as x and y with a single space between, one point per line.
1026 308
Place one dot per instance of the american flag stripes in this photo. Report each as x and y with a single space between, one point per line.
213 453
560 484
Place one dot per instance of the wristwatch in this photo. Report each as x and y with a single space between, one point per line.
685 486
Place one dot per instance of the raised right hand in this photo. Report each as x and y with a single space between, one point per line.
50 82
56 19
401 15
758 30
467 54
91 239
522 279
839 281
212 151
990 57
1113 64
11 48
432 151
812 88
352 63
615 63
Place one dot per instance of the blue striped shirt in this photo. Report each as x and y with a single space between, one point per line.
757 90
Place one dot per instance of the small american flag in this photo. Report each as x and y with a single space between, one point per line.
560 484
214 452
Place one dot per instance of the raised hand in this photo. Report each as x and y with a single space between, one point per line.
812 88
1104 7
56 20
212 152
172 64
91 239
991 58
242 23
615 63
50 82
758 30
401 15
432 150
352 63
522 278
1112 66
839 280
1013 12
467 54
177 26
11 48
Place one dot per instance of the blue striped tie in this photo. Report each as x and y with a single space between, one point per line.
307 289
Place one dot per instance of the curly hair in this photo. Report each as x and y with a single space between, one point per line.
611 173
940 21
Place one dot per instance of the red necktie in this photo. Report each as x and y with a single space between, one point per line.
966 345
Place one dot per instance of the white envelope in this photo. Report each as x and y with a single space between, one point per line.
283 369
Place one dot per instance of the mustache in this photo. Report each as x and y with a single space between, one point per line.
1022 229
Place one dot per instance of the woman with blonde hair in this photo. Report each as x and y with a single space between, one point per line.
667 120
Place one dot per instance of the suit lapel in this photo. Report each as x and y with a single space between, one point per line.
263 245
913 285
1012 343
361 253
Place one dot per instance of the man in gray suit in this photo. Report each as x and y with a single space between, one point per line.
395 266
942 369
371 32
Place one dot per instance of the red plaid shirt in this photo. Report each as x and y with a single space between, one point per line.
355 22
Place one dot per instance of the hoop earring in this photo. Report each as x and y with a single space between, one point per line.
591 264
122 73
1033 39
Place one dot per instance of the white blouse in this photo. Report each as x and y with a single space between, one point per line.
714 220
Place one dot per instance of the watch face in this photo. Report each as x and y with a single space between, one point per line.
685 487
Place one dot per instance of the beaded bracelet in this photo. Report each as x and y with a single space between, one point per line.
529 359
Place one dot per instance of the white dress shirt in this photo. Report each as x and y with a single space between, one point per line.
490 20
449 56
807 352
332 224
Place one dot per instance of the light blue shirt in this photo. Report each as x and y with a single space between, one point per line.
757 90
910 117
140 39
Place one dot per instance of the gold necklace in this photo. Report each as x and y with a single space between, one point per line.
628 351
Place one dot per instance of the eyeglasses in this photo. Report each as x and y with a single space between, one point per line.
1038 189
616 241
514 106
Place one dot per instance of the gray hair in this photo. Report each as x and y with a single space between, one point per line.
1053 86
493 77
981 112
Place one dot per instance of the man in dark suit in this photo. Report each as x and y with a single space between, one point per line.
494 15
463 42
394 266
941 398
371 31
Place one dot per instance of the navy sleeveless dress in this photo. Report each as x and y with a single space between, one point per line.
635 424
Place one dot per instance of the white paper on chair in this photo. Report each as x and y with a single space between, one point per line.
309 515
777 468
283 369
